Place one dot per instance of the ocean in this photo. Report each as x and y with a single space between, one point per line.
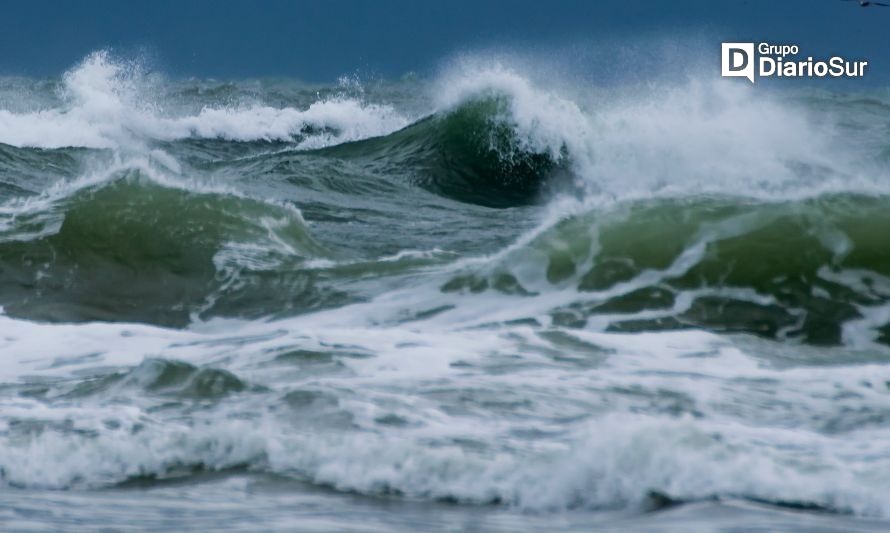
488 298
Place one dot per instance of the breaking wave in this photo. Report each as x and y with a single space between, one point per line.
484 288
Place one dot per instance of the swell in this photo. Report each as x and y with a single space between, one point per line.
480 148
130 248
472 153
816 271
483 372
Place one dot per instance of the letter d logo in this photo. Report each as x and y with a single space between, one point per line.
738 60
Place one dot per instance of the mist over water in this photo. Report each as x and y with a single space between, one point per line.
496 298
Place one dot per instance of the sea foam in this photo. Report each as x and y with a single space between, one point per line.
109 104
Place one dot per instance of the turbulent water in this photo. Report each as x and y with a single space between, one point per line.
481 300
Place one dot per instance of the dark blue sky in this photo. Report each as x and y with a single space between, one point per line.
320 40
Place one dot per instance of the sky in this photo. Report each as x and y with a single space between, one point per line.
319 40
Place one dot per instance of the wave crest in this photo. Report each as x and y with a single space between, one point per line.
112 104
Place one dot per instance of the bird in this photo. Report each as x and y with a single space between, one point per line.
868 3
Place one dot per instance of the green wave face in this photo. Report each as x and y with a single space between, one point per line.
799 270
133 250
472 154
